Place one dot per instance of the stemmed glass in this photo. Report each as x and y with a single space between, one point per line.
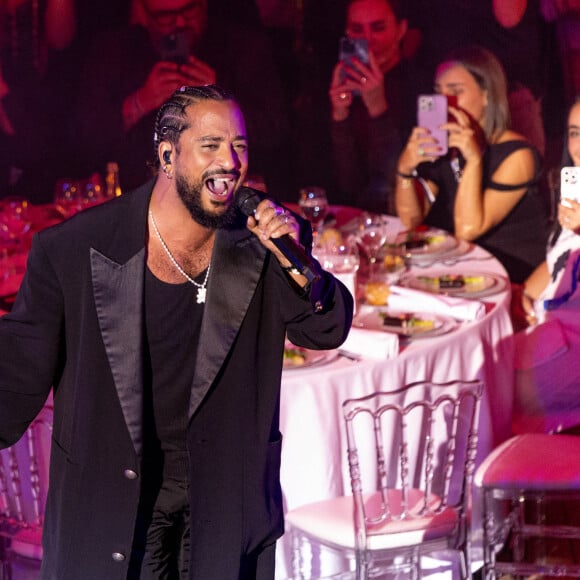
67 197
15 223
91 192
314 205
372 235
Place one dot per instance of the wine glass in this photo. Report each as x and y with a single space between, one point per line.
372 235
15 223
338 257
313 205
92 191
67 197
342 259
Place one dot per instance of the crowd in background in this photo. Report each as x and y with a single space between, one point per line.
73 87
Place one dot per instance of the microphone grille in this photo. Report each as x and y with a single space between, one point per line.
247 200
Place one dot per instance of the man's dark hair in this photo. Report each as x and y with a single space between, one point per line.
172 119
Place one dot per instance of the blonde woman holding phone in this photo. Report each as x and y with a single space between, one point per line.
485 189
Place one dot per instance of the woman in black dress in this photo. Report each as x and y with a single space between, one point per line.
485 189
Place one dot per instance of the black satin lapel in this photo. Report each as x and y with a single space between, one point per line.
237 262
118 291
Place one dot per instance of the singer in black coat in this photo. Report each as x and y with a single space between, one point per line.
77 324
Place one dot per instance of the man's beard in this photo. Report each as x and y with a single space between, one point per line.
190 195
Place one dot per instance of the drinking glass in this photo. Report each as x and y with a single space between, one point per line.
342 259
15 224
67 197
372 235
313 205
338 258
91 192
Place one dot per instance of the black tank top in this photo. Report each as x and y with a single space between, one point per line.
173 320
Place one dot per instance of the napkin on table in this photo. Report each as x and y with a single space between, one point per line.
410 300
373 344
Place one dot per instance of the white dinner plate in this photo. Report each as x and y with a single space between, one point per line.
426 245
425 260
375 320
483 284
307 358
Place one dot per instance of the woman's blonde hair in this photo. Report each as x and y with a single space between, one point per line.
489 74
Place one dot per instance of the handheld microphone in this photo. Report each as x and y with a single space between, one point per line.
247 201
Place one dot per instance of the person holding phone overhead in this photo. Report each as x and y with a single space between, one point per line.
371 98
130 71
485 188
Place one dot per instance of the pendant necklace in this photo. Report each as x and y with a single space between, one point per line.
201 288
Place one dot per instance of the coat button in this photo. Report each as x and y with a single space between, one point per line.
118 557
130 474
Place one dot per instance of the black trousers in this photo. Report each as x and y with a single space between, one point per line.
161 548
162 537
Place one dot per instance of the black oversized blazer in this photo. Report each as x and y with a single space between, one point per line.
78 324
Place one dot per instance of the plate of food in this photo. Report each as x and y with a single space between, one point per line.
405 324
425 243
297 357
469 285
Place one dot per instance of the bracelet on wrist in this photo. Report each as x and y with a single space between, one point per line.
407 175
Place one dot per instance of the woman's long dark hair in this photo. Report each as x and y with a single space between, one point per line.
566 161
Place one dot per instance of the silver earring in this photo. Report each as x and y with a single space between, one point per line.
167 172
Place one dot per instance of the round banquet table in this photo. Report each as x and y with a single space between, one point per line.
314 464
314 459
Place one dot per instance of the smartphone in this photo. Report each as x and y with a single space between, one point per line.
569 185
349 48
432 112
175 47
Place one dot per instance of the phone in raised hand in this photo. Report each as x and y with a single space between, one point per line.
432 112
174 47
350 48
569 185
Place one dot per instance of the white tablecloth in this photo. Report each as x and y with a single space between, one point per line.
314 462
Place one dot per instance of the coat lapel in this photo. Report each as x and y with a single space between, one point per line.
118 291
117 277
237 262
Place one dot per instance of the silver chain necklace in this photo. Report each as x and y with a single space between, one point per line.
201 288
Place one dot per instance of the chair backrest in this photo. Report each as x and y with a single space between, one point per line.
24 477
420 440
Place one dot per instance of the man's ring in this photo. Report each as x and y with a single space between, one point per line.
286 218
342 96
363 80
421 151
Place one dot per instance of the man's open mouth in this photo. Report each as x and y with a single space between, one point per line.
221 185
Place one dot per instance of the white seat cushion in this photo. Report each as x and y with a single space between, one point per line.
533 461
27 543
332 521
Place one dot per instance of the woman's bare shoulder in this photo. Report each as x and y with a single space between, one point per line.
510 135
